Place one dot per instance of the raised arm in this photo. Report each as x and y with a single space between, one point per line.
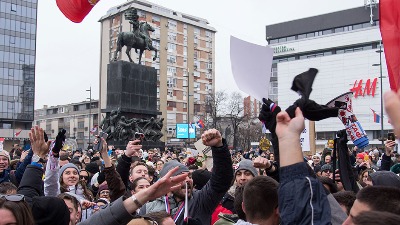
222 172
124 162
114 181
302 198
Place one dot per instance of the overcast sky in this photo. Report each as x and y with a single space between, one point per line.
67 56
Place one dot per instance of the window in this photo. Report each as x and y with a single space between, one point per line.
158 92
196 96
184 105
171 36
171 47
301 36
196 86
172 24
171 104
196 73
196 31
171 59
339 29
209 65
208 87
310 35
208 33
171 82
13 7
171 70
327 32
291 38
81 135
171 116
81 125
156 19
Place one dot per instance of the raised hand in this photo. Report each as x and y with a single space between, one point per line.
59 142
261 163
289 128
133 148
212 138
39 146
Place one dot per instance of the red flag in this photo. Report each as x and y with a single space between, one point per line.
389 20
76 10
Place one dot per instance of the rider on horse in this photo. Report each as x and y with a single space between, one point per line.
133 18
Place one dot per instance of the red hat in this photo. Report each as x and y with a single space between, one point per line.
76 10
360 156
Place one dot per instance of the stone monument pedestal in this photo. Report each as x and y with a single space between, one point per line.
132 89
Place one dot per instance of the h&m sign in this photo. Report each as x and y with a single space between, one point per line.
360 88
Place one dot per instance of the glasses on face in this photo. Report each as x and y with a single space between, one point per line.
326 171
104 192
84 177
13 198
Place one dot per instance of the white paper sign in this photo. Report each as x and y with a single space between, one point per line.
305 137
1 144
251 67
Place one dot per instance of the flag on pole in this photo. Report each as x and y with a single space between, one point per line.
94 129
377 118
389 23
17 133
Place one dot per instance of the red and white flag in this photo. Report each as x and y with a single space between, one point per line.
389 22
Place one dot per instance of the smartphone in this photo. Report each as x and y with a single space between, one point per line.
99 145
391 136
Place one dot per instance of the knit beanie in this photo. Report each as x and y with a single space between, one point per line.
172 164
103 187
49 210
246 164
385 178
66 166
326 167
6 154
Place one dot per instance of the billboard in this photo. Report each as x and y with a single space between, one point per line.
182 131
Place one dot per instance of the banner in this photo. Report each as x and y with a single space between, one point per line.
305 137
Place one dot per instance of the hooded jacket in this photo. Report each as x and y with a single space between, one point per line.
203 202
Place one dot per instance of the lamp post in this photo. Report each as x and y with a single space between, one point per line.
90 109
381 78
13 119
188 112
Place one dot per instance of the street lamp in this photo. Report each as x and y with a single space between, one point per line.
90 108
188 112
380 77
13 119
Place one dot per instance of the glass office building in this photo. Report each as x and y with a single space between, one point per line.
18 19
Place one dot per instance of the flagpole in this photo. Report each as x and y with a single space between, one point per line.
380 68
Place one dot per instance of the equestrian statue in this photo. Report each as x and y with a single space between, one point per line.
139 38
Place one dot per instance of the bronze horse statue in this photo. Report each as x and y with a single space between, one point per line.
136 40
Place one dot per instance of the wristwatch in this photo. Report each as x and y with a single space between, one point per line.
37 159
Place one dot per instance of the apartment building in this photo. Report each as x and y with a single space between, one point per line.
185 66
17 69
78 119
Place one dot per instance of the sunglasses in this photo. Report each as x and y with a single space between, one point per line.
85 177
13 198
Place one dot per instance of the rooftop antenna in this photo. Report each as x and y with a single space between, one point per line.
371 4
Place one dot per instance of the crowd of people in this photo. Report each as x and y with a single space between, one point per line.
48 185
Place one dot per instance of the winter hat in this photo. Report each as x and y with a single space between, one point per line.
172 164
326 167
49 210
360 156
316 155
103 187
200 178
92 168
385 178
6 154
76 10
66 166
246 164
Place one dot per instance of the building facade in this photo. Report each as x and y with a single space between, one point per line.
343 46
18 21
185 65
78 119
251 107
